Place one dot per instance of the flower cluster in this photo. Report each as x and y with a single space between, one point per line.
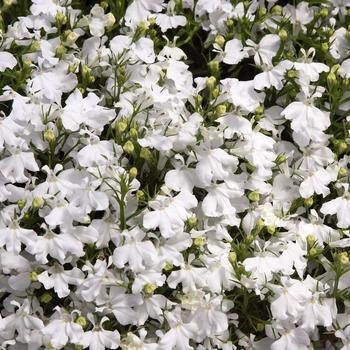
174 174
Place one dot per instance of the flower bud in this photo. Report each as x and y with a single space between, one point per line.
281 158
128 147
282 33
34 46
192 221
220 40
343 258
21 203
104 5
324 47
260 224
33 276
216 93
149 288
254 196
292 74
260 327
220 109
133 133
331 79
133 172
146 154
199 242
211 83
27 63
324 12
140 195
45 298
121 126
71 37
61 19
214 67
232 257
38 202
230 23
313 252
249 238
271 229
259 110
81 321
308 202
342 172
60 51
262 11
168 266
340 146
198 100
110 20
276 10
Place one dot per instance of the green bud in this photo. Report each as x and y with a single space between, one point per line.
282 33
133 133
260 327
21 203
61 19
249 239
78 347
110 20
81 321
259 110
91 79
211 83
216 93
72 68
27 63
149 288
324 12
220 40
254 196
146 154
232 257
276 10
104 5
331 79
340 146
71 37
260 224
85 71
140 195
60 51
128 147
342 172
308 202
121 126
230 23
343 258
192 221
45 298
220 109
26 216
168 266
292 74
281 158
49 136
38 202
262 11
34 46
250 167
324 47
199 242
198 100
133 172
271 229
214 67
33 276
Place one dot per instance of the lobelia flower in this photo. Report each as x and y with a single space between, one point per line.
179 334
234 52
62 328
139 10
266 49
7 60
59 279
99 338
137 253
166 22
169 213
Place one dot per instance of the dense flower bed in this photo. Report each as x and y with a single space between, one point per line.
174 174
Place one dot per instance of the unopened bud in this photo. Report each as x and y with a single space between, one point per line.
324 47
214 67
199 242
220 40
292 74
168 266
281 158
61 19
71 37
121 126
343 258
45 298
216 93
146 154
81 321
140 195
271 229
21 203
149 288
133 133
220 109
211 83
310 239
324 12
60 51
331 78
282 33
33 276
232 257
308 202
34 46
254 196
110 20
133 172
49 135
313 252
128 147
38 202
342 172
192 221
276 10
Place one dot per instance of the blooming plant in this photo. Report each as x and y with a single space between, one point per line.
174 174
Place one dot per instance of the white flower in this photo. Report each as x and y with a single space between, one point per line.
234 52
169 213
137 253
7 60
266 49
339 206
166 22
